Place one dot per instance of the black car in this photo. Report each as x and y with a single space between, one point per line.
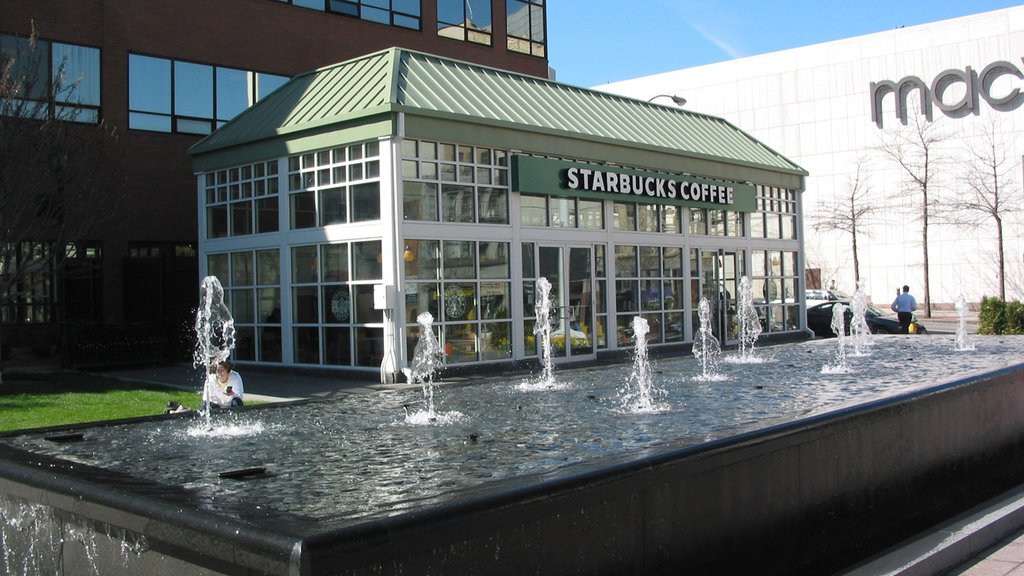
819 320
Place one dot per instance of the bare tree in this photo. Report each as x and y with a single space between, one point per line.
59 170
988 178
849 211
915 148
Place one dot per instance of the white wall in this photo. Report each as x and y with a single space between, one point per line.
813 105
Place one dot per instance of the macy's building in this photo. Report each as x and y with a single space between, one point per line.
834 107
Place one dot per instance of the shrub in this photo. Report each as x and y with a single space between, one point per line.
1014 318
992 316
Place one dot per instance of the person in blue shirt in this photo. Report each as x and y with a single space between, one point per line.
904 306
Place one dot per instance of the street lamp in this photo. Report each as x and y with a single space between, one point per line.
677 100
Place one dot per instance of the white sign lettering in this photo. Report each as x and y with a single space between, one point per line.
654 187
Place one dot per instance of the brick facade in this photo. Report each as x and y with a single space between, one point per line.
258 35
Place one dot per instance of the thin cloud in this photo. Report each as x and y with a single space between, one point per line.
722 45
686 11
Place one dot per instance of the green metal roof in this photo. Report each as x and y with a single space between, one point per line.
399 80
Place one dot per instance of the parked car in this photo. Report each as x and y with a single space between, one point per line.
819 320
817 296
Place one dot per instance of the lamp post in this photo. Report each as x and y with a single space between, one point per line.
677 100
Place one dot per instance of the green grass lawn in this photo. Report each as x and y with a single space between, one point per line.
59 398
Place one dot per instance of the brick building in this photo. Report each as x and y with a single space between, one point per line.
167 73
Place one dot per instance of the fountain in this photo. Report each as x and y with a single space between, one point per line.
962 341
860 332
705 346
640 393
839 364
801 467
750 324
426 361
215 337
544 309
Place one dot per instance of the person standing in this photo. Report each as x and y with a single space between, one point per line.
904 306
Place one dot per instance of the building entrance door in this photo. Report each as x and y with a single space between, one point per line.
569 269
720 285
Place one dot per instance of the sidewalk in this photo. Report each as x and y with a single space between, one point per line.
985 541
947 322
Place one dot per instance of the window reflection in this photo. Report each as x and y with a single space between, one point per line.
149 84
404 13
204 96
232 87
56 79
80 66
466 20
251 280
525 26
431 194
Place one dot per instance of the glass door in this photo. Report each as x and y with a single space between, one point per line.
569 269
719 283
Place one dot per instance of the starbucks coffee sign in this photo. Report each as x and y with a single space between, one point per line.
975 84
547 176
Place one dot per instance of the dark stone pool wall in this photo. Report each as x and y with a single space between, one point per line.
810 496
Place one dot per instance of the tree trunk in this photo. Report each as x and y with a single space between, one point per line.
1001 257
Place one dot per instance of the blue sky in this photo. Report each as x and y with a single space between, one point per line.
594 42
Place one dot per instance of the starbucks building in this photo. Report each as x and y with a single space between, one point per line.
359 196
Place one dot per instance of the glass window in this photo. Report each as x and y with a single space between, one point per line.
303 210
625 261
241 218
366 202
404 13
591 214
251 279
149 84
333 206
53 79
424 263
494 260
670 219
457 203
29 65
698 221
428 195
267 83
420 201
459 259
533 210
193 90
266 215
304 264
268 267
79 68
348 8
217 221
493 205
366 257
562 212
232 93
525 26
650 261
334 263
647 217
625 216
175 96
466 20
